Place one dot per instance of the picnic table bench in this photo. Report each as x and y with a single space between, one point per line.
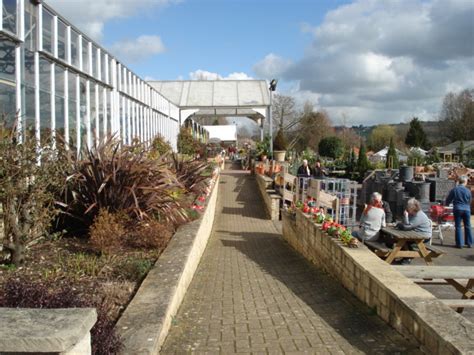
401 241
451 276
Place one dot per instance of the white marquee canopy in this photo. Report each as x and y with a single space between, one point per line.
249 98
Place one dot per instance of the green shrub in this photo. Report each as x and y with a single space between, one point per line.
159 146
186 142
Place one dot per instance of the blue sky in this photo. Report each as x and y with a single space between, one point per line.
221 36
367 61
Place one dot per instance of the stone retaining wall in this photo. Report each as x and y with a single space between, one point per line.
145 323
270 198
400 302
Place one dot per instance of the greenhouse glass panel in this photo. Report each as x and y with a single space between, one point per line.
74 48
8 102
93 112
9 16
62 40
47 31
95 68
45 99
85 56
30 26
72 109
59 100
83 110
7 60
109 112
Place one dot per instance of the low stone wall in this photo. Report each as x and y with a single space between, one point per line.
400 302
145 323
51 331
270 198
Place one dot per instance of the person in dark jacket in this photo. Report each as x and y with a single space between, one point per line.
304 170
319 172
461 197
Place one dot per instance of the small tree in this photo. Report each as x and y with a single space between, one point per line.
351 161
416 136
279 143
331 147
460 151
392 156
362 162
29 179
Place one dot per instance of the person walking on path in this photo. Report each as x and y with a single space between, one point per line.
461 197
372 220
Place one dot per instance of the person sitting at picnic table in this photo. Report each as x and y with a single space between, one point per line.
461 197
319 172
386 208
371 220
414 219
304 170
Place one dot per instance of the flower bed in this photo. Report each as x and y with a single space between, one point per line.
119 207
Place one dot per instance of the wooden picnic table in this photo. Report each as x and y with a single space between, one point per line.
402 239
451 275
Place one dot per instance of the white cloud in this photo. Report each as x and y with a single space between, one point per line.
384 61
141 48
272 66
207 75
90 16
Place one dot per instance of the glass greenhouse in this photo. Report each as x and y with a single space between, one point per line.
58 81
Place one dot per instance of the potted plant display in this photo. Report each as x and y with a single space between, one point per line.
279 146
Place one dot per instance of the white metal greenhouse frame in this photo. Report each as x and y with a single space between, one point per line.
58 80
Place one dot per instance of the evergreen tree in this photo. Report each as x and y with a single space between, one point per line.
461 151
392 156
416 136
351 161
362 162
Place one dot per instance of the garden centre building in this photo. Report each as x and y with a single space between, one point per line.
58 81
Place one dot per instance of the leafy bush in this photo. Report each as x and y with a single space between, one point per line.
23 293
106 233
280 143
186 142
149 234
159 146
120 179
26 189
331 147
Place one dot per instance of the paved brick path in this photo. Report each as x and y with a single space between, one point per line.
253 294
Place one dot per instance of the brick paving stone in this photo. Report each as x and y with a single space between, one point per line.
252 293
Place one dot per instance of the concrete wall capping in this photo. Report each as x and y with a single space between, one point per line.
59 331
145 323
410 309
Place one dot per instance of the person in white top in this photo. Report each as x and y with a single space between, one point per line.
371 220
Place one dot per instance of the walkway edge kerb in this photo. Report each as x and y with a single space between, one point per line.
145 323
